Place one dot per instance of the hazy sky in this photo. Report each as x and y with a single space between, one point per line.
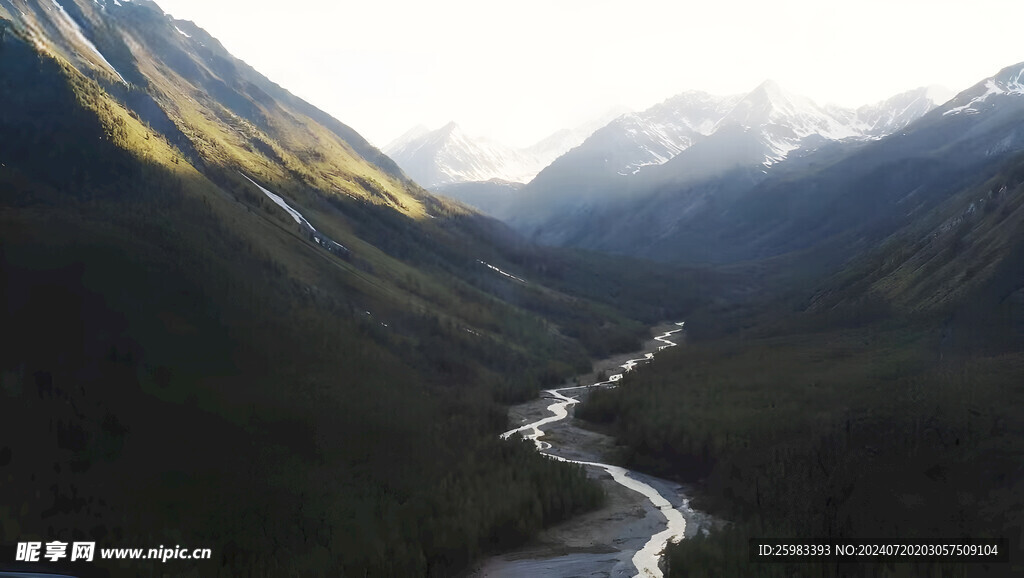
519 70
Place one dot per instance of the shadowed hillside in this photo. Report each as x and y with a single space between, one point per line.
885 404
193 366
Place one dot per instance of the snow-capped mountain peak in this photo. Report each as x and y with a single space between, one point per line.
407 137
697 110
658 134
895 113
448 155
1009 82
769 105
763 127
768 97
1011 79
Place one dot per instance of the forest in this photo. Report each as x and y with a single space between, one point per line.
187 368
184 365
844 412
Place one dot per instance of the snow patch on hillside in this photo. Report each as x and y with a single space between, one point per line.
77 30
509 275
283 204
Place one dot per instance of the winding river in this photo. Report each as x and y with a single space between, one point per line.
647 559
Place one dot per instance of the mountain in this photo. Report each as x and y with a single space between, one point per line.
619 149
875 377
558 143
490 197
653 136
924 327
785 120
409 137
853 195
447 155
896 113
238 324
763 135
899 331
989 95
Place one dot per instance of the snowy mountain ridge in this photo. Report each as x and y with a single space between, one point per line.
1008 83
696 137
777 123
448 155
785 122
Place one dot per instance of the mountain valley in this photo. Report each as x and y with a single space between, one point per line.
237 324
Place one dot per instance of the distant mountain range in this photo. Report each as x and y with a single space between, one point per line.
584 161
696 135
773 175
435 158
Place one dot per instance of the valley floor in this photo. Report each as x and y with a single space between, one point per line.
603 542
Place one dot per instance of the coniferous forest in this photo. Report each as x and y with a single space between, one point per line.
834 415
232 322
184 366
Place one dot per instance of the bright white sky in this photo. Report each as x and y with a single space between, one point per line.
519 70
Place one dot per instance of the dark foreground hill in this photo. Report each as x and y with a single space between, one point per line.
235 324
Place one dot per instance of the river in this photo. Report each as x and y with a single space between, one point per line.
644 513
